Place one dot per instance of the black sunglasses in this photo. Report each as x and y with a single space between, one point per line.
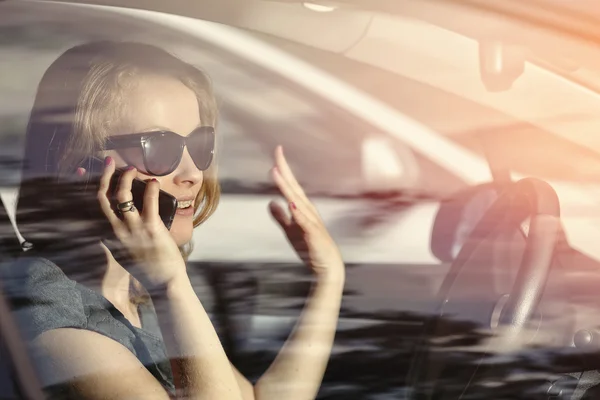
162 150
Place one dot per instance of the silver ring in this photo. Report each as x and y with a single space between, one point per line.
126 206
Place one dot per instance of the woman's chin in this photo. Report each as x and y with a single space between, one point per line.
181 231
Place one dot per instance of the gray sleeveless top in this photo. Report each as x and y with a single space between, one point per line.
44 298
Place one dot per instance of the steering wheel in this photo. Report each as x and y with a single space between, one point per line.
491 306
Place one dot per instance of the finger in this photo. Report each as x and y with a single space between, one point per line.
150 213
302 218
82 179
117 225
286 172
280 215
106 177
283 186
291 196
124 194
79 177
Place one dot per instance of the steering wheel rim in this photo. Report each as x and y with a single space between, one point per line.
542 206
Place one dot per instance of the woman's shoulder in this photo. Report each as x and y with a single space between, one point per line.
44 298
27 271
41 296
34 275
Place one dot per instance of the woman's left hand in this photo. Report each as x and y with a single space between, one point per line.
304 229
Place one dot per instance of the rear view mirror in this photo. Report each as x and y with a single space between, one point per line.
500 64
456 218
387 166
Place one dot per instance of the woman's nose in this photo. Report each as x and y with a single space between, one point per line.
187 172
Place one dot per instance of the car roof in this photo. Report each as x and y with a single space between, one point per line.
579 18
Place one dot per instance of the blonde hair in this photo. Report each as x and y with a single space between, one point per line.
101 103
80 100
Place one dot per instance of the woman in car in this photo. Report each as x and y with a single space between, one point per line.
104 313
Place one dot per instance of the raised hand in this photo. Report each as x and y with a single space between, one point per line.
303 225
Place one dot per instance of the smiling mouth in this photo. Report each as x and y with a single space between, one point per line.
184 204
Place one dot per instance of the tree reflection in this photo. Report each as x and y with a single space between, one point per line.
373 362
374 352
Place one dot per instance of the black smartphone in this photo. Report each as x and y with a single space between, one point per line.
167 204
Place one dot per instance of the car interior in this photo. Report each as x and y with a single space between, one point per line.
17 375
508 310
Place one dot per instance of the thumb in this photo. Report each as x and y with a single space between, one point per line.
280 215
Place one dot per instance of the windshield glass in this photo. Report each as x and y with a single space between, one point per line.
373 256
257 110
551 140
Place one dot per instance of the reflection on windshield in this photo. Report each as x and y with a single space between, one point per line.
253 285
471 118
530 151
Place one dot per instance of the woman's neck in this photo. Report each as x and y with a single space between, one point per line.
116 287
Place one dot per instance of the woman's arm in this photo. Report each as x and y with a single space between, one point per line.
201 368
90 366
95 367
298 369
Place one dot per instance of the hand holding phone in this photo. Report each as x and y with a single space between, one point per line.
152 256
167 204
63 211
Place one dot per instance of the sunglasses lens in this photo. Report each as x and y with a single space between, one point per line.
162 153
201 144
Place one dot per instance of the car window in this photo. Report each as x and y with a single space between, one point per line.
516 144
325 145
248 277
259 110
328 143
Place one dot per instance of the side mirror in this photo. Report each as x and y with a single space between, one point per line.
456 218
